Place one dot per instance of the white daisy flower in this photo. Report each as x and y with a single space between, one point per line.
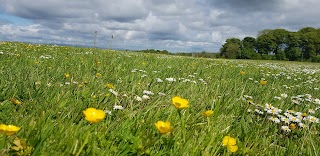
159 80
117 107
284 95
286 128
138 98
145 97
274 119
146 92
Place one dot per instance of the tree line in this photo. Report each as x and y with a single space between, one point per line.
277 44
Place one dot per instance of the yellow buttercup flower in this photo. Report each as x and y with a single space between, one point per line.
180 103
98 75
94 115
242 73
66 75
163 127
9 129
207 113
110 86
231 143
15 101
263 82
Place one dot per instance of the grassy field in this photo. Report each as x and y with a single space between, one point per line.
45 89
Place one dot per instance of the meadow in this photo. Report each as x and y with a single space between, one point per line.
153 104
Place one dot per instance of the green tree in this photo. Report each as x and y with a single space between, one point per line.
231 49
281 38
266 44
248 48
293 51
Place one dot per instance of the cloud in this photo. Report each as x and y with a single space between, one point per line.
179 25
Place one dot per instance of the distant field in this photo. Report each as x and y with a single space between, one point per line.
268 107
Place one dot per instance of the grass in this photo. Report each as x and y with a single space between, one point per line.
52 122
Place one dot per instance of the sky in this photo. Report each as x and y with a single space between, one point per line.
173 25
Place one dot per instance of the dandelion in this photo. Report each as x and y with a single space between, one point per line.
263 82
15 101
180 103
231 143
207 113
94 115
8 129
163 127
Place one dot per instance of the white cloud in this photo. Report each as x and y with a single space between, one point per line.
180 25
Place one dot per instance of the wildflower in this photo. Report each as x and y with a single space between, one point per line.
311 111
242 73
258 111
117 107
285 120
171 79
163 127
15 101
274 119
302 125
37 83
286 128
94 115
9 129
159 80
148 92
113 92
294 119
98 75
263 82
207 113
231 143
138 98
145 97
180 103
284 95
66 75
312 119
292 126
108 112
110 86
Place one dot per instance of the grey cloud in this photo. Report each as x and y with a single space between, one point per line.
246 5
177 25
